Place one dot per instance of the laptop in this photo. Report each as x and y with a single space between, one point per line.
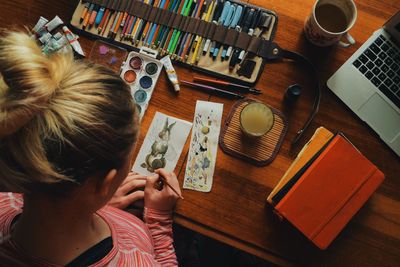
369 82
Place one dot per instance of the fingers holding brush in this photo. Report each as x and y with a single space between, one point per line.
162 191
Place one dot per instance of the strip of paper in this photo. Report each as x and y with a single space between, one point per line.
203 146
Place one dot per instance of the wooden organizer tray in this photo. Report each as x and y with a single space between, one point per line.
256 45
259 151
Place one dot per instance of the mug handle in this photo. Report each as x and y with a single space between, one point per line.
350 40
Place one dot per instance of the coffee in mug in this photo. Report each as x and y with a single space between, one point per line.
330 21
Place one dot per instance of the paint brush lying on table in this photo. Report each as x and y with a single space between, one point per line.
228 85
211 89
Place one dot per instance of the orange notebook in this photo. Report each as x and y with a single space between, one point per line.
329 191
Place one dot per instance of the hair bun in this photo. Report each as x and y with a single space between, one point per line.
30 79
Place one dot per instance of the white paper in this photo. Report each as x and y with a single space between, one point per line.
162 145
203 146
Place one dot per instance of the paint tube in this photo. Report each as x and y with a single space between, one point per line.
45 38
73 40
172 76
40 24
54 23
54 45
58 36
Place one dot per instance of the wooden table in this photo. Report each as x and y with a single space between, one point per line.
235 211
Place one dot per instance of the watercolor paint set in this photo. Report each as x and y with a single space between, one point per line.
141 71
229 39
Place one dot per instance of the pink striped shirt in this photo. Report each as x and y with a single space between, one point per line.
135 243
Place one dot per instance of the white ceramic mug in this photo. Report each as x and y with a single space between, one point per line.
329 21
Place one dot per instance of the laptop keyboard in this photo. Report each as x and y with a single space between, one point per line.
380 64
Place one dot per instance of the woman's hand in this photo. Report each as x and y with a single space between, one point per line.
164 199
129 191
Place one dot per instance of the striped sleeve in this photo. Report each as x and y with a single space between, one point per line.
160 226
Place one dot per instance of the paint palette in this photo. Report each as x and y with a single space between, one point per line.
141 71
108 55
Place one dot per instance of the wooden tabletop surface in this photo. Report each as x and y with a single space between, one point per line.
235 211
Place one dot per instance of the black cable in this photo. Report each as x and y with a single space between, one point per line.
317 100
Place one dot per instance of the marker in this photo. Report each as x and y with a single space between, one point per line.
100 15
84 12
87 16
226 21
233 24
93 15
216 13
256 20
221 20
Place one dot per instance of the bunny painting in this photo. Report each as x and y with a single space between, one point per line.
162 145
156 158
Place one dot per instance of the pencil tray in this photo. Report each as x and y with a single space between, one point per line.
120 13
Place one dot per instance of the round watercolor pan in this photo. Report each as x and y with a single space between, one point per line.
151 68
130 76
136 63
140 96
146 82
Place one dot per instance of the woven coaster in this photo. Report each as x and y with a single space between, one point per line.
259 151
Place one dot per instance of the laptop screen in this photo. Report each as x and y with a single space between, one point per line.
393 27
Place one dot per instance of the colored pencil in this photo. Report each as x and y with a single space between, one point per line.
200 39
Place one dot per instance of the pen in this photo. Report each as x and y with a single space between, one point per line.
211 89
233 24
246 25
216 14
228 19
228 85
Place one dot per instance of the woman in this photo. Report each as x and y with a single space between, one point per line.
67 132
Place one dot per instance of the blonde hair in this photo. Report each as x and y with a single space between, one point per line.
60 120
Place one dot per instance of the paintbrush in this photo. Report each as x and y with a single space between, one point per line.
159 186
211 89
228 85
